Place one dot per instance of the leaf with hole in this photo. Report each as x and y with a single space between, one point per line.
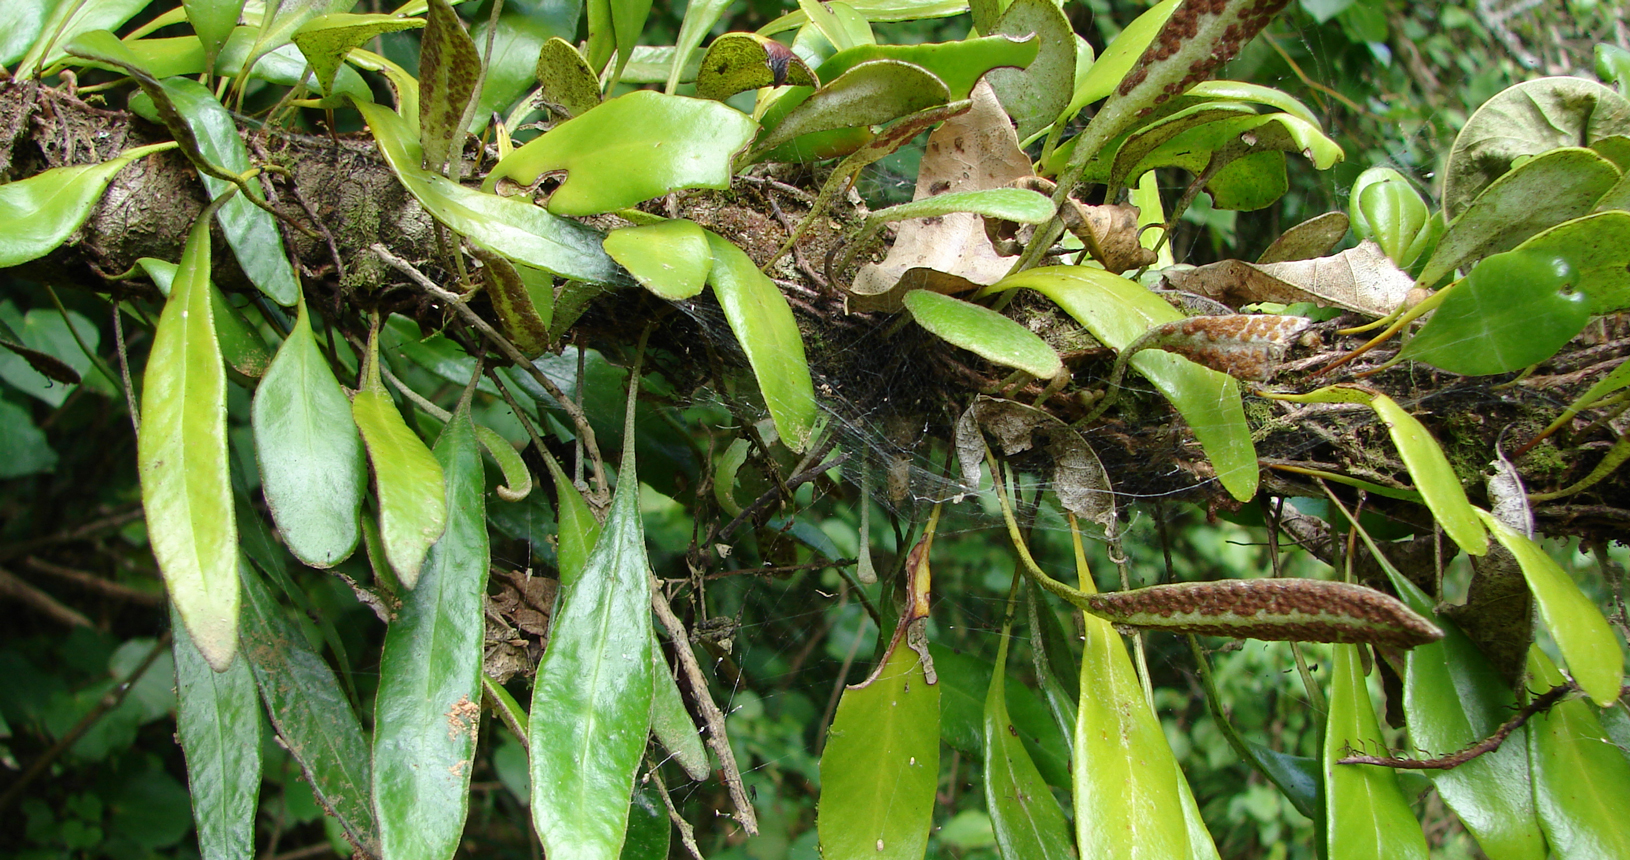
309 452
737 62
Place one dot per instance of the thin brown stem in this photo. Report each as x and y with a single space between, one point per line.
1543 702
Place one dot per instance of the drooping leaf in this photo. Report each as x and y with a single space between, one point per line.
428 709
518 230
218 724
213 21
737 62
251 231
671 258
881 763
310 456
984 332
1545 191
181 455
407 477
1583 636
39 213
567 86
1515 309
672 724
591 701
1118 58
1528 119
1117 311
1367 816
868 94
767 331
523 298
1026 818
517 477
327 40
449 67
44 351
1578 773
309 711
657 144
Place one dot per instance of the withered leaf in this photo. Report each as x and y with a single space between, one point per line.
1079 478
1359 279
1307 240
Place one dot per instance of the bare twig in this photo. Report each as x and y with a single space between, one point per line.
1543 702
95 583
13 587
687 834
773 493
716 737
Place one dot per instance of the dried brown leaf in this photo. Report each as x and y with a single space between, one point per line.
1307 240
1359 279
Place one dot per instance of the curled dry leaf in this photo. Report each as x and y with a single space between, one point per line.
1244 346
1302 610
1310 239
972 152
1109 232
1078 477
1359 279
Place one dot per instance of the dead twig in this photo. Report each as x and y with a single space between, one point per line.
1542 702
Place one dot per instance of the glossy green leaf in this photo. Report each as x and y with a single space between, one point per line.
869 94
881 764
1515 309
184 55
839 23
700 16
984 332
1129 800
1386 208
517 41
627 21
1531 118
767 331
449 69
1008 204
309 711
213 21
1230 140
181 455
1433 475
1026 818
737 62
1118 311
428 709
311 461
877 10
518 230
407 477
1587 643
23 28
1613 66
672 724
579 530
568 87
1036 95
671 258
1545 191
964 681
1367 816
517 477
251 231
1580 777
959 65
649 830
631 149
39 213
218 724
70 19
1119 57
327 40
1243 91
276 24
1598 248
244 350
591 701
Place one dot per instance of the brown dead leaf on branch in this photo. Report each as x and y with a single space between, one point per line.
1359 279
1109 232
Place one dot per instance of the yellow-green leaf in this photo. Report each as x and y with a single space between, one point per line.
1367 816
984 332
39 213
1580 776
326 40
671 258
1433 475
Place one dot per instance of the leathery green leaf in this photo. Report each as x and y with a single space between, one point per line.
517 229
700 16
523 298
1366 813
311 462
871 93
670 258
1118 311
1598 248
567 86
213 21
1026 818
1580 777
649 831
579 530
964 680
218 723
1129 797
428 709
69 20
630 149
672 724
1009 204
242 346
1582 635
181 455
767 331
1453 698
881 764
1433 475
1119 57
959 65
1515 309
984 332
327 39
250 230
39 213
591 701
407 478
309 711
1036 95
